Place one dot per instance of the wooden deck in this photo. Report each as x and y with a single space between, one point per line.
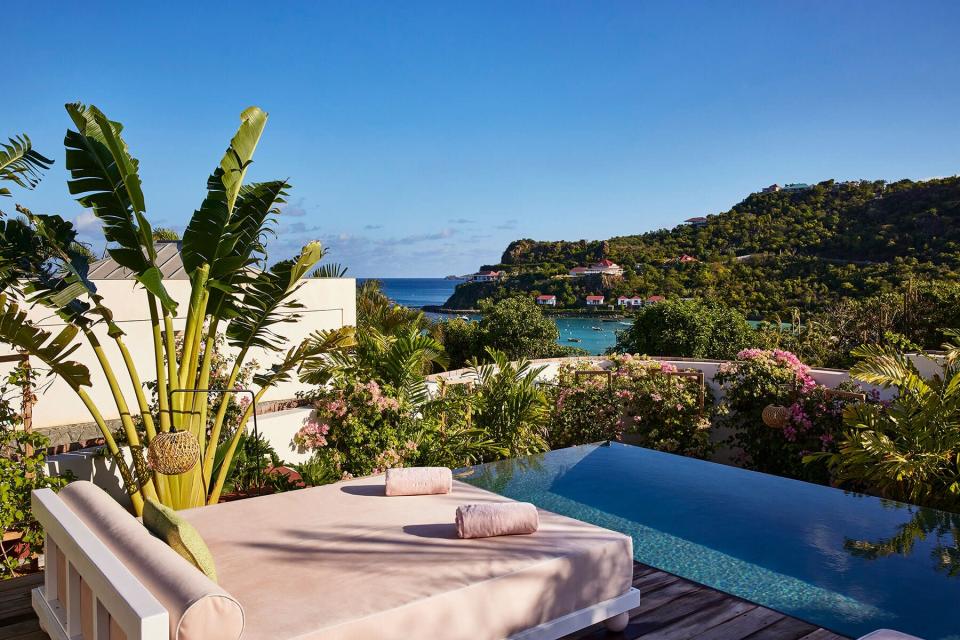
672 609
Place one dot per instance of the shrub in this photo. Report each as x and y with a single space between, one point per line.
687 328
22 470
642 401
906 449
762 377
360 428
518 328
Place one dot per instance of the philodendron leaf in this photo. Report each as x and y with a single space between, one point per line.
240 154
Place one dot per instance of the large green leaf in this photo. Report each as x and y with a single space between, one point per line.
230 245
104 177
64 286
52 350
267 301
240 153
20 164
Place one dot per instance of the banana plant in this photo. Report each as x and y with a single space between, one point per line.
232 293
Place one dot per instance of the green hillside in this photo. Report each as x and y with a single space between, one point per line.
770 254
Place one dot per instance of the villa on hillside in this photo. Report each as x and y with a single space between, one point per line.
628 301
654 299
697 221
603 267
797 186
486 276
550 301
771 189
681 259
594 301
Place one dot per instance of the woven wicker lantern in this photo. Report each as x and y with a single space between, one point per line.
775 416
174 452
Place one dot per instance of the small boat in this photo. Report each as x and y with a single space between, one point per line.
574 339
463 317
597 328
628 324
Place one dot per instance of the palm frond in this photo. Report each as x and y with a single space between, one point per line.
329 270
266 302
21 164
309 355
53 350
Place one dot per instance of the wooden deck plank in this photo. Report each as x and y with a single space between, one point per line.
743 625
708 617
20 630
785 629
672 608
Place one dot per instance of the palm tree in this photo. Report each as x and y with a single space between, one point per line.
910 450
393 347
508 405
232 291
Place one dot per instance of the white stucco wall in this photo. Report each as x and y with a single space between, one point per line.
329 303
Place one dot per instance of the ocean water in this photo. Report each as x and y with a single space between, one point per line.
591 334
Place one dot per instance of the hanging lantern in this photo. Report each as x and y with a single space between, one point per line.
173 452
775 416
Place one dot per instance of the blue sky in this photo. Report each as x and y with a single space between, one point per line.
421 137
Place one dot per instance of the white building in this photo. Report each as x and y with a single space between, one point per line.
550 301
328 303
604 267
594 301
487 276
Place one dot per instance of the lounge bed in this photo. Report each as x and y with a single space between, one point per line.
337 562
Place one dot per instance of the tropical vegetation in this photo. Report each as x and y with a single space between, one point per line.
909 448
760 378
233 293
644 402
513 325
22 469
768 256
687 328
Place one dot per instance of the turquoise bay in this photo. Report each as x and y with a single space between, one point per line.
589 333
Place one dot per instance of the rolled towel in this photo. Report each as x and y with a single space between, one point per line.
418 481
496 519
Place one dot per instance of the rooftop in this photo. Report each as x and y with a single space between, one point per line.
168 259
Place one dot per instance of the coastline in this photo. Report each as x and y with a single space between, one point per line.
554 313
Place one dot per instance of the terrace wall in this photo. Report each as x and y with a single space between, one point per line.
329 303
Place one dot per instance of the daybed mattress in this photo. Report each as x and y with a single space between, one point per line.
343 561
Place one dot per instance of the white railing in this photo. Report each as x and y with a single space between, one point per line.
117 594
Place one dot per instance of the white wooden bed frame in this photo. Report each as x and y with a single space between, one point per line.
119 595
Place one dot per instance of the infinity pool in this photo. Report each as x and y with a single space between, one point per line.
844 561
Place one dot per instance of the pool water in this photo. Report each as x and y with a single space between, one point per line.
844 561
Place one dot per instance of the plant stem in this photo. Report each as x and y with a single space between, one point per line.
234 441
136 498
162 391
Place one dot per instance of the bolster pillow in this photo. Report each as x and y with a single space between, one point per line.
198 608
418 481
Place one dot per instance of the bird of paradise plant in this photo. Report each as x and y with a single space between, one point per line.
232 292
